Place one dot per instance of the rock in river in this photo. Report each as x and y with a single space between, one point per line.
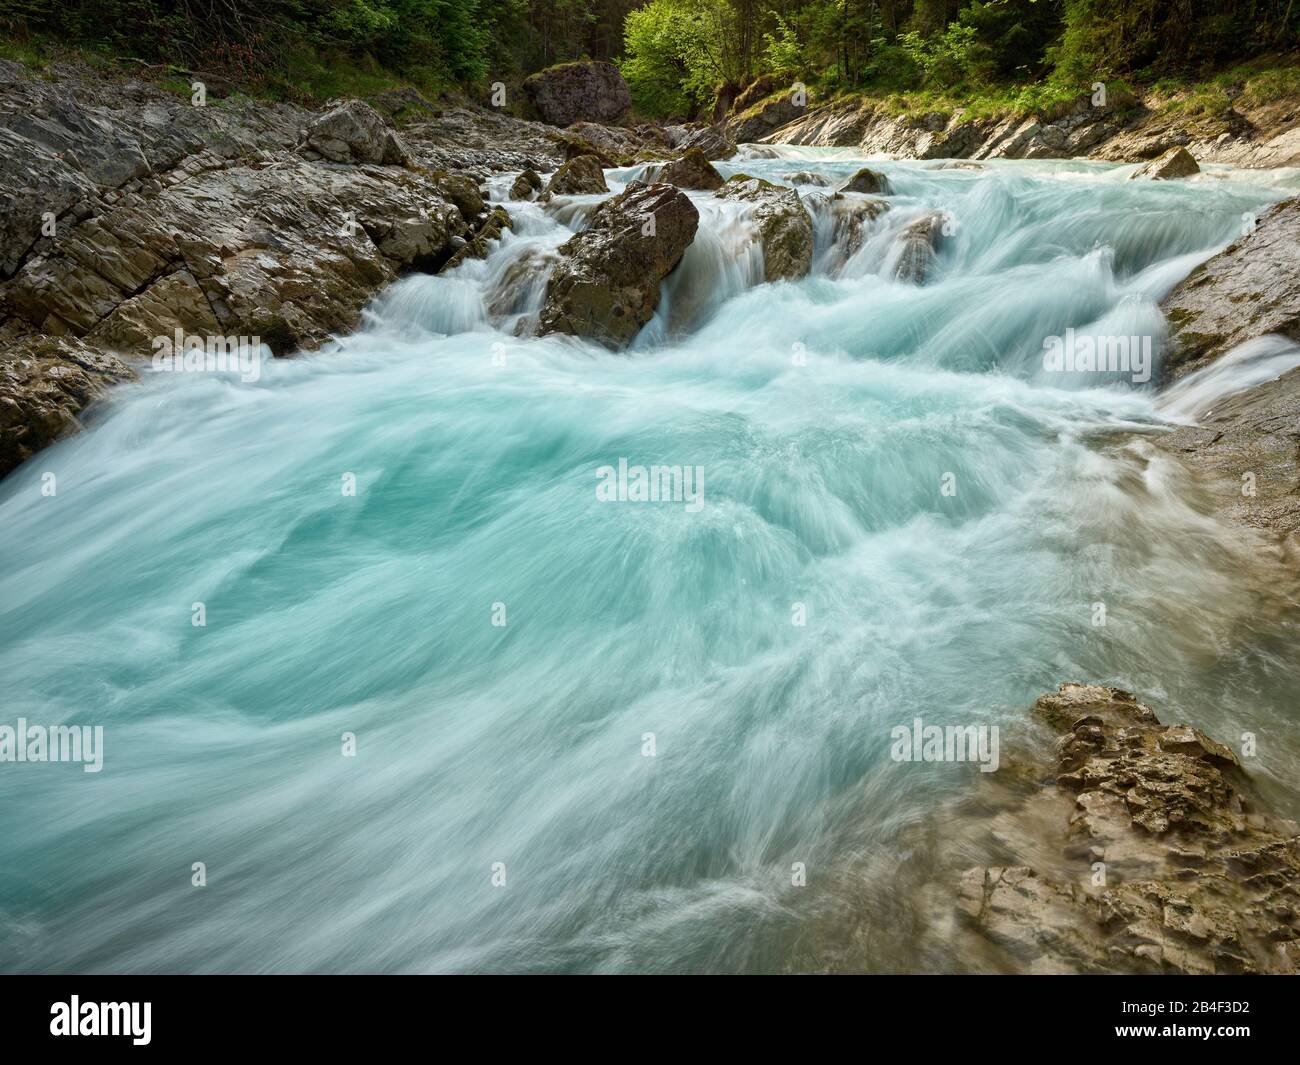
606 285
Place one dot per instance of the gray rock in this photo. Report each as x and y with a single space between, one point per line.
868 181
691 171
354 132
919 243
711 141
584 91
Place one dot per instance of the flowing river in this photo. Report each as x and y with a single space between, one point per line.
595 735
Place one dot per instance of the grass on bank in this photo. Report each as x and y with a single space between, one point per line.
1244 87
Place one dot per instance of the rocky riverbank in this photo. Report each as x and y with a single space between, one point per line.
1118 129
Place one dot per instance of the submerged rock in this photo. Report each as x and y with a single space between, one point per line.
354 132
919 244
580 175
851 216
867 181
606 286
1175 163
691 171
783 224
806 177
584 91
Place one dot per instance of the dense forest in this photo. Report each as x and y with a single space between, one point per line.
676 53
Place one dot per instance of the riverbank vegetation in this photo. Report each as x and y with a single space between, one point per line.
987 55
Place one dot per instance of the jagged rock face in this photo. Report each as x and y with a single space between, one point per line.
45 382
1260 271
711 141
919 243
1249 290
783 224
217 220
1175 163
289 254
579 92
606 286
691 171
868 181
766 118
354 132
1191 878
581 175
493 228
481 141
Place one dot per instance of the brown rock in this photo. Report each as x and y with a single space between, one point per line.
606 285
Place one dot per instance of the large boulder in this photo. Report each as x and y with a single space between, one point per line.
581 175
691 171
782 222
1175 163
606 286
354 132
712 141
585 91
527 185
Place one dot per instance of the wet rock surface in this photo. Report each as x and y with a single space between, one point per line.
1143 849
691 171
1260 271
1245 449
45 384
867 181
581 175
919 244
782 223
606 286
1175 163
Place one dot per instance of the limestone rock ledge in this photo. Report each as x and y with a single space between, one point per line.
1177 870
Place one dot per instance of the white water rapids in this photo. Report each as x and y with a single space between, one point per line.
827 416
